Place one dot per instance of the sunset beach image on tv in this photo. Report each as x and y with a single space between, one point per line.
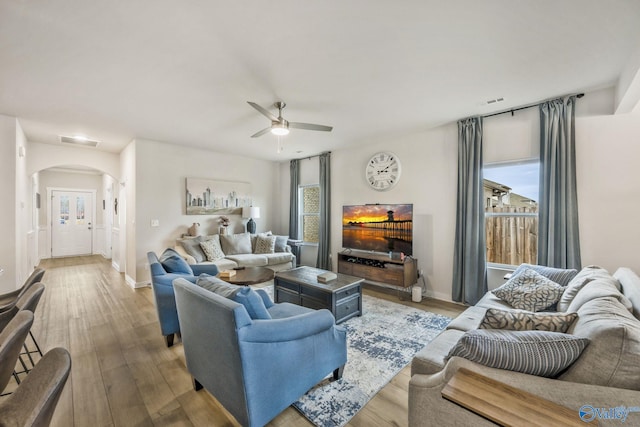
378 228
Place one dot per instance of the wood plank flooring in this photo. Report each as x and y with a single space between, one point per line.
124 375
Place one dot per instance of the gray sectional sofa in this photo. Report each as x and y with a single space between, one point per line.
605 375
238 250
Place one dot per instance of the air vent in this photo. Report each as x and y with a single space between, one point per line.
79 141
494 101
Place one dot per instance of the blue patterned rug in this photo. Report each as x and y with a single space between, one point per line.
379 344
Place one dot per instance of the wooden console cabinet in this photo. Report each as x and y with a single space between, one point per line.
375 267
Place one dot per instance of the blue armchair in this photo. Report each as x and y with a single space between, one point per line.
164 270
256 368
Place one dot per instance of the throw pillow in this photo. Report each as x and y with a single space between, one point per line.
234 244
174 263
212 249
252 302
265 245
281 243
562 276
541 353
529 291
215 285
192 247
527 321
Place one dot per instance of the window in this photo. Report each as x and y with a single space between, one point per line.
511 212
309 211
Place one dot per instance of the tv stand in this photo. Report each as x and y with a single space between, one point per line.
376 267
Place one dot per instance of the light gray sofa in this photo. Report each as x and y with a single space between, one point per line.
238 250
606 374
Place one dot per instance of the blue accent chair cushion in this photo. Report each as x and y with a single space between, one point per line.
163 294
266 364
172 262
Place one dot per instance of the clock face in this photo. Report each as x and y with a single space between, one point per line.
383 171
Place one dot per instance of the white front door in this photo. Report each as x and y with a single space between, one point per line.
71 228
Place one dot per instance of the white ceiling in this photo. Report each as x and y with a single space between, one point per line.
181 72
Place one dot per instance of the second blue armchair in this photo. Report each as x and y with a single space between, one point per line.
164 270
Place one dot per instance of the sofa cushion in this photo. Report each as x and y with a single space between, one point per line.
530 291
613 357
278 258
172 262
212 249
233 244
585 275
249 260
468 319
630 284
561 276
514 320
265 245
431 359
192 247
598 288
541 353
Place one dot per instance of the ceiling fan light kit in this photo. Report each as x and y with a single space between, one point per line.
280 126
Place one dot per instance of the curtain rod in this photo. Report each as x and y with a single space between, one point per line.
315 155
513 110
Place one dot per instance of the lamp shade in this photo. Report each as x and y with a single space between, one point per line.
251 212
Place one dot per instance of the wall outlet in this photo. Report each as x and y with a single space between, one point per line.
155 223
420 273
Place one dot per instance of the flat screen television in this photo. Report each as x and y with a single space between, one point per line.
378 228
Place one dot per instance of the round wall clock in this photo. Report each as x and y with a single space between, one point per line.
383 171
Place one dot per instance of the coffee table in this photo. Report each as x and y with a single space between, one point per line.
249 276
342 296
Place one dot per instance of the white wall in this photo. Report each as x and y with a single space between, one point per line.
161 170
8 154
45 156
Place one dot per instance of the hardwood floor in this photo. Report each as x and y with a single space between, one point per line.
124 375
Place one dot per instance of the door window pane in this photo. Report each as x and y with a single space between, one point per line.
64 210
80 210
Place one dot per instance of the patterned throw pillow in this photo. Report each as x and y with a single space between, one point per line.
527 321
541 353
265 245
562 276
212 249
529 291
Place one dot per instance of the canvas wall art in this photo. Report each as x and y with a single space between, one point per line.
211 197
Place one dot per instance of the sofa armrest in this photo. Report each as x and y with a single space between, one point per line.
289 328
190 260
426 404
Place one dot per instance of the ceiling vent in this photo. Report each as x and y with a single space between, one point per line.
493 101
86 142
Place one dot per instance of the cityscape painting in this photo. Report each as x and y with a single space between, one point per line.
209 197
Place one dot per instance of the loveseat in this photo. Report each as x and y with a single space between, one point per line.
238 250
601 381
254 356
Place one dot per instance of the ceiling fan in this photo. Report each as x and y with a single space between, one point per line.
280 126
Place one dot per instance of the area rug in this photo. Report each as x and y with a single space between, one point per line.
379 344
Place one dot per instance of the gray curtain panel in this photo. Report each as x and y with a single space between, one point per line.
558 235
294 169
469 261
324 244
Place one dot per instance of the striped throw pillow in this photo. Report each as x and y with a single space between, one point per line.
540 353
561 276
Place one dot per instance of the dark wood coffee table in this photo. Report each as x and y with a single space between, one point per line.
342 296
249 276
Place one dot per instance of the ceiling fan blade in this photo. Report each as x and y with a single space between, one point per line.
263 111
260 133
309 126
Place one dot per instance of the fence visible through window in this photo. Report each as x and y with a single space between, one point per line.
512 234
